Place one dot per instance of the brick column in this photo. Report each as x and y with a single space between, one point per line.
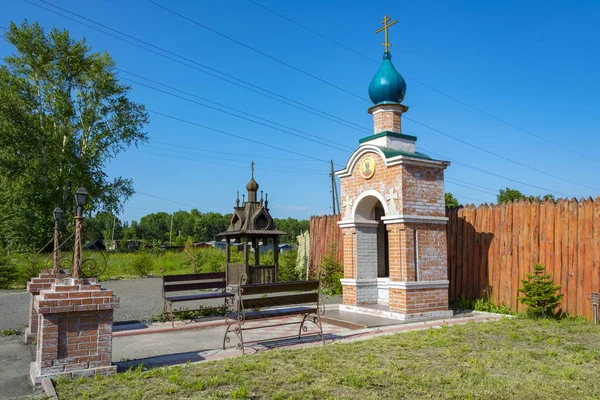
387 117
43 281
74 330
349 281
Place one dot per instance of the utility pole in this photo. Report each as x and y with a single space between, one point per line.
112 240
332 188
171 232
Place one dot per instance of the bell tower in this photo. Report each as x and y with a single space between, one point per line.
394 223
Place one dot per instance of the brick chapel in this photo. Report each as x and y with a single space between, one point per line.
393 222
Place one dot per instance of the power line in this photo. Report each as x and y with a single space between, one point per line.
231 154
240 82
43 1
230 165
280 167
236 136
493 191
499 155
232 108
450 182
491 173
236 115
479 110
171 201
364 99
256 50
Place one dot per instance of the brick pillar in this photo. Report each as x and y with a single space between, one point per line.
349 281
74 330
387 117
43 281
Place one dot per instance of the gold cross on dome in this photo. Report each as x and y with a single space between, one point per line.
385 29
252 165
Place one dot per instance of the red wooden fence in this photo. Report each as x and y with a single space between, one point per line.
491 248
324 231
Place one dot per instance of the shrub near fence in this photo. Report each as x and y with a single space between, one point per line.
491 248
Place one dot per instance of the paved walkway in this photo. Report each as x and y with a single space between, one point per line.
140 299
15 358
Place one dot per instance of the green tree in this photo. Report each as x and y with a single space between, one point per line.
63 116
509 195
451 201
539 294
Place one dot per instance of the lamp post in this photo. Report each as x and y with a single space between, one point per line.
81 197
58 213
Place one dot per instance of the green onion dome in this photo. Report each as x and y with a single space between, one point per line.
387 86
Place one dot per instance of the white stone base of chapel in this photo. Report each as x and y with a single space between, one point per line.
382 310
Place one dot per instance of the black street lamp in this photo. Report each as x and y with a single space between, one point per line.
57 213
81 198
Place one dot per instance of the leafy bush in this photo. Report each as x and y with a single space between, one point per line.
9 273
207 259
142 264
287 266
334 271
484 304
539 294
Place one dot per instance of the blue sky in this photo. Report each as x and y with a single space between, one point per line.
532 64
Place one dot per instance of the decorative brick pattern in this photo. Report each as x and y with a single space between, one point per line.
409 191
43 281
74 330
418 302
423 191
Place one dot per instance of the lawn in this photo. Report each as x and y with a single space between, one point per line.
509 359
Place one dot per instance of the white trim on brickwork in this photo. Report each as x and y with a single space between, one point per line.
416 285
361 224
358 282
396 315
394 143
369 193
396 108
369 148
415 219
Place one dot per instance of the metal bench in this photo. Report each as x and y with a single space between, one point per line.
254 302
214 281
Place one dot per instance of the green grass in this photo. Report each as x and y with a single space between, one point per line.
510 359
9 332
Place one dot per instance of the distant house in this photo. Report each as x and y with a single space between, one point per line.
94 245
285 247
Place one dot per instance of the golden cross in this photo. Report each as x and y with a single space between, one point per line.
385 29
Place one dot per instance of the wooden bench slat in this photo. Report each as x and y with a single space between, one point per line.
193 277
196 285
280 287
203 296
250 315
276 301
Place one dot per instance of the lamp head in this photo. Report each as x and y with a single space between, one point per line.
58 213
81 197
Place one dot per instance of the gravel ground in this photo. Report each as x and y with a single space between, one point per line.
140 298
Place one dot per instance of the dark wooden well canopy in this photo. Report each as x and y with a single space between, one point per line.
251 224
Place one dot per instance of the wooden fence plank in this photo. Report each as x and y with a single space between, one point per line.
596 245
580 258
451 214
564 251
588 258
497 250
460 250
572 257
476 293
535 234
